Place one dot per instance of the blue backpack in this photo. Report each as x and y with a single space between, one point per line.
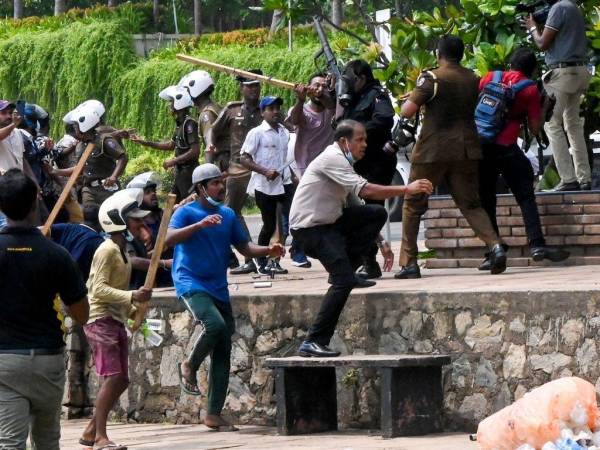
493 104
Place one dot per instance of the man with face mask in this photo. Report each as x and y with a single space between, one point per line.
185 140
370 105
330 222
233 124
202 232
108 160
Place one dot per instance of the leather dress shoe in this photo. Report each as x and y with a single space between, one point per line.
363 283
411 271
585 186
245 269
310 348
369 270
550 253
497 259
563 187
486 264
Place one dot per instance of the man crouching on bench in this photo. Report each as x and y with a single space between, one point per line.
332 223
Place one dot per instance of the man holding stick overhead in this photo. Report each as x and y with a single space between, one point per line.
202 232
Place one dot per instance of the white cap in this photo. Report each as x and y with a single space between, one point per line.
196 82
179 96
144 180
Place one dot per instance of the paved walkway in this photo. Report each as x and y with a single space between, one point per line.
313 281
197 437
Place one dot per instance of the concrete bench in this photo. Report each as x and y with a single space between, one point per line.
411 392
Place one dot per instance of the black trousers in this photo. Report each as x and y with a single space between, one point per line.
515 168
340 247
268 211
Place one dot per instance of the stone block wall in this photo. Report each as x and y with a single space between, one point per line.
569 220
502 344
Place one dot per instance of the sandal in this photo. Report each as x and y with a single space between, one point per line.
223 428
85 443
187 386
111 446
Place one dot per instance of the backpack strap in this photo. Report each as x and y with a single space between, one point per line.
518 87
497 76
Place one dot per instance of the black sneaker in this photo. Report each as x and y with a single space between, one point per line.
276 267
245 269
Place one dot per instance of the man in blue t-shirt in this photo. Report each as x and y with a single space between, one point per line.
202 233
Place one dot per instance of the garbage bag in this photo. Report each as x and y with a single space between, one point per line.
539 415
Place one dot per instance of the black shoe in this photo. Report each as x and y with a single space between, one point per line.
363 283
277 269
550 253
245 269
233 261
310 348
409 272
369 270
563 187
497 259
486 264
585 186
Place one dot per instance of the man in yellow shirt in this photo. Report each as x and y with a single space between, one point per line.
111 304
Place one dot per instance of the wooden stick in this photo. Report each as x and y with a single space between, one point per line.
237 72
140 314
67 189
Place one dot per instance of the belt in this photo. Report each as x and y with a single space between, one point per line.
33 351
560 65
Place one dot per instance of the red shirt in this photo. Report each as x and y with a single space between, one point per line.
527 103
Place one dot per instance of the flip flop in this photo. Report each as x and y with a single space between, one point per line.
223 428
85 443
184 383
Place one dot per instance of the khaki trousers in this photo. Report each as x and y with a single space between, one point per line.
463 181
568 84
236 195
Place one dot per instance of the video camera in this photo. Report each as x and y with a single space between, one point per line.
539 10
403 134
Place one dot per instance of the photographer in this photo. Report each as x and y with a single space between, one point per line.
503 155
564 42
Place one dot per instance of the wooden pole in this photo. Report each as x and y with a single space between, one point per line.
140 314
67 189
237 72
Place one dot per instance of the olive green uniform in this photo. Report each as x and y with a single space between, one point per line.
186 135
209 111
99 166
447 148
234 122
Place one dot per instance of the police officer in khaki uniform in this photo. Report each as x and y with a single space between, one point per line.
447 148
185 140
200 86
108 159
234 122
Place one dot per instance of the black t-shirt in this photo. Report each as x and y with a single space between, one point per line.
33 270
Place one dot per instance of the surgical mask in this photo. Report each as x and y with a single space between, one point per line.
348 155
211 200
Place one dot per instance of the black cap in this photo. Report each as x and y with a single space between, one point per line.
245 80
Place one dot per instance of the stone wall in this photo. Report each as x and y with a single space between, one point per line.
569 220
502 344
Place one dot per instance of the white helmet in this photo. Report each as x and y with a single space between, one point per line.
86 116
145 180
179 96
196 82
115 210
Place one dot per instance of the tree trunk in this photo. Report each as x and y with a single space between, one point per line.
197 17
277 17
18 9
398 8
60 7
155 13
337 12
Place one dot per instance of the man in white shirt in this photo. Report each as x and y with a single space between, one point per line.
330 222
265 152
